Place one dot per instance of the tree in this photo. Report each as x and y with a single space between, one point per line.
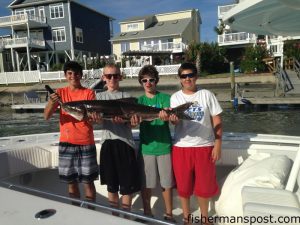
207 56
253 59
193 54
292 49
220 28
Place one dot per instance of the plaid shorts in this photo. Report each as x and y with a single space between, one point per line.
77 163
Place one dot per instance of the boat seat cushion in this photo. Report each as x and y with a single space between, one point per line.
269 196
256 171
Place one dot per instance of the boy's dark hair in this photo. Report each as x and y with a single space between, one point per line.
187 66
150 71
74 66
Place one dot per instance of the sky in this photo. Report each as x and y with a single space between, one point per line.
124 9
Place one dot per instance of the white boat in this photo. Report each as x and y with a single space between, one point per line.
31 192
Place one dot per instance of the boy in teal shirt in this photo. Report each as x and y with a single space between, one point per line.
155 144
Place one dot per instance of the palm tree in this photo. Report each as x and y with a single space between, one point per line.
193 54
220 28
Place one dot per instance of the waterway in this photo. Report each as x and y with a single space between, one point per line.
283 121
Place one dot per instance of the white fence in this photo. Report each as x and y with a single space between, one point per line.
26 77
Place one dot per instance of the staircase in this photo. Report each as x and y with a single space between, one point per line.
295 81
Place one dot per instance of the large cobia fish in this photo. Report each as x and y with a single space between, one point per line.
124 108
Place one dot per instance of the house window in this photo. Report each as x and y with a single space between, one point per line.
56 11
30 12
79 35
273 48
132 26
125 46
59 34
42 13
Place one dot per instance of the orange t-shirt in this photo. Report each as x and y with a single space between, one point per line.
72 130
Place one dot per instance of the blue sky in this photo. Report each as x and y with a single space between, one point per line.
123 9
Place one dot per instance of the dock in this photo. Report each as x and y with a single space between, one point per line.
34 107
273 101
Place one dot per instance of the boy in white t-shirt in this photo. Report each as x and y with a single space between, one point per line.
197 144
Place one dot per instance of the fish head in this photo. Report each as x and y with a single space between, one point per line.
77 111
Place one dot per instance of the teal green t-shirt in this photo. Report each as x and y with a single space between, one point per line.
155 136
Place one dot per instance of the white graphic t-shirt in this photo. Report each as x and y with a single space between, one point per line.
198 132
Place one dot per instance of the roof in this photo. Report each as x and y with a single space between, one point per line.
25 3
275 17
31 2
159 29
137 18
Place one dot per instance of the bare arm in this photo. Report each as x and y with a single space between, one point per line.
218 130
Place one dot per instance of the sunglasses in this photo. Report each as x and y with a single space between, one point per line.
189 75
150 80
115 76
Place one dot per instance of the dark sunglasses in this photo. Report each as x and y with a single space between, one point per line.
145 80
189 75
115 76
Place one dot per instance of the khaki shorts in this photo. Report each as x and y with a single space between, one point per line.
157 166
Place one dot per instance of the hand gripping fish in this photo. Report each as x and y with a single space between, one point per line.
124 108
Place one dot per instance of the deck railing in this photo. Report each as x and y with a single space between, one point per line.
283 84
168 46
19 19
236 38
21 42
296 66
25 77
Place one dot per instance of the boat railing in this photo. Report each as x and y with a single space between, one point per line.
283 84
81 203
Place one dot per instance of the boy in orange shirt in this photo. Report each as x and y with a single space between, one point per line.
77 150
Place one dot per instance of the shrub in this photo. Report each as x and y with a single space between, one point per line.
252 60
292 49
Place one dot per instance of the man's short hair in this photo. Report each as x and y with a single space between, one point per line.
187 66
148 70
112 65
74 66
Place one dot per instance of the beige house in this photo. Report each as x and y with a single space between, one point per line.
156 39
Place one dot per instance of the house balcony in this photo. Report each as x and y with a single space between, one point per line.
240 38
168 46
22 43
20 21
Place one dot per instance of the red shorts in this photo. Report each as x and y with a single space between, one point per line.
194 171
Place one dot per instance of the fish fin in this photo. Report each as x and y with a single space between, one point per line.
180 111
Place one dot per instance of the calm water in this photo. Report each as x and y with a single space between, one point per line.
283 121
